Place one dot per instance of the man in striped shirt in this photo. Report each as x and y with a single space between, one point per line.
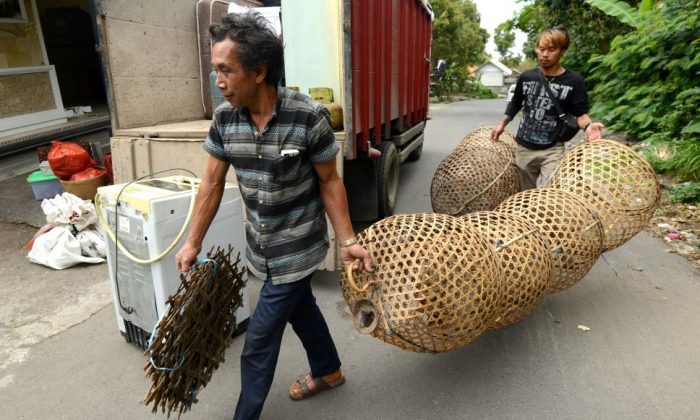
283 150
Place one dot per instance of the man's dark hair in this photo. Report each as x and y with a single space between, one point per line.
257 43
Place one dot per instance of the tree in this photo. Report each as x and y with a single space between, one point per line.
648 83
591 29
504 38
649 86
457 34
623 11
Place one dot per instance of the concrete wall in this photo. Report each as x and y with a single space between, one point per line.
134 157
153 63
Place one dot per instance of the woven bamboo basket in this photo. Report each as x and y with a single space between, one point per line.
499 147
572 228
482 136
86 189
523 253
473 178
509 138
435 285
619 184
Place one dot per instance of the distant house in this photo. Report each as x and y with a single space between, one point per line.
495 75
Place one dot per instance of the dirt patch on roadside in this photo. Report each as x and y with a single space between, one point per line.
678 225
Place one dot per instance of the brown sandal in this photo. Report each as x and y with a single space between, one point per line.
321 385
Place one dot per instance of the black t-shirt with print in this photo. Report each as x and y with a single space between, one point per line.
539 117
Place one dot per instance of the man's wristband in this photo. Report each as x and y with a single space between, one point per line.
585 127
348 242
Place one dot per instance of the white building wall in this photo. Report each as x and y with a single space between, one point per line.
491 75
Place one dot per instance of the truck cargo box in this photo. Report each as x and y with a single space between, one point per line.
373 55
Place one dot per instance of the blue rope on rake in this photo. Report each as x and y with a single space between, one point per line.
190 339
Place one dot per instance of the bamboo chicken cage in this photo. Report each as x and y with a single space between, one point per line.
522 251
620 186
570 226
436 286
440 281
477 175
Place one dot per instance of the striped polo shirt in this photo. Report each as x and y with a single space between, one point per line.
286 231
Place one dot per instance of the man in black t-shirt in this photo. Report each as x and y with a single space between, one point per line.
537 154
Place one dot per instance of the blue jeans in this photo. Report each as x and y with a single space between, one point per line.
279 304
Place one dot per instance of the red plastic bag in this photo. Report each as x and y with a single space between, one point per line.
88 173
67 159
107 159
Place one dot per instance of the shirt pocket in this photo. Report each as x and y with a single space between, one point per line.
288 170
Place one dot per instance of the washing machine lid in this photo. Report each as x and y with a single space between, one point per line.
139 195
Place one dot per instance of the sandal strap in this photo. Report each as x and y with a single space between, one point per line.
303 391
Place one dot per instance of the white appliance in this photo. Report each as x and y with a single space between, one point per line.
151 215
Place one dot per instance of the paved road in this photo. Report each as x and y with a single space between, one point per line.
639 359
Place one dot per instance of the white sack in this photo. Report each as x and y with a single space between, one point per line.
91 243
68 209
59 249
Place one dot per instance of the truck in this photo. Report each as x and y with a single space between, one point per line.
372 56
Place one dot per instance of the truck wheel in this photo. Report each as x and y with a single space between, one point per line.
387 174
415 155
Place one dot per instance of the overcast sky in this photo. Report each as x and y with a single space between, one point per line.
495 12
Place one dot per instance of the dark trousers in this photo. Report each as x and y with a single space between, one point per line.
279 304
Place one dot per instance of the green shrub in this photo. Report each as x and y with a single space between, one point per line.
648 85
680 158
686 159
687 192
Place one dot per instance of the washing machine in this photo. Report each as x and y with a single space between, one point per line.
151 214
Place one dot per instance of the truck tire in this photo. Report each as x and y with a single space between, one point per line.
415 155
387 175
